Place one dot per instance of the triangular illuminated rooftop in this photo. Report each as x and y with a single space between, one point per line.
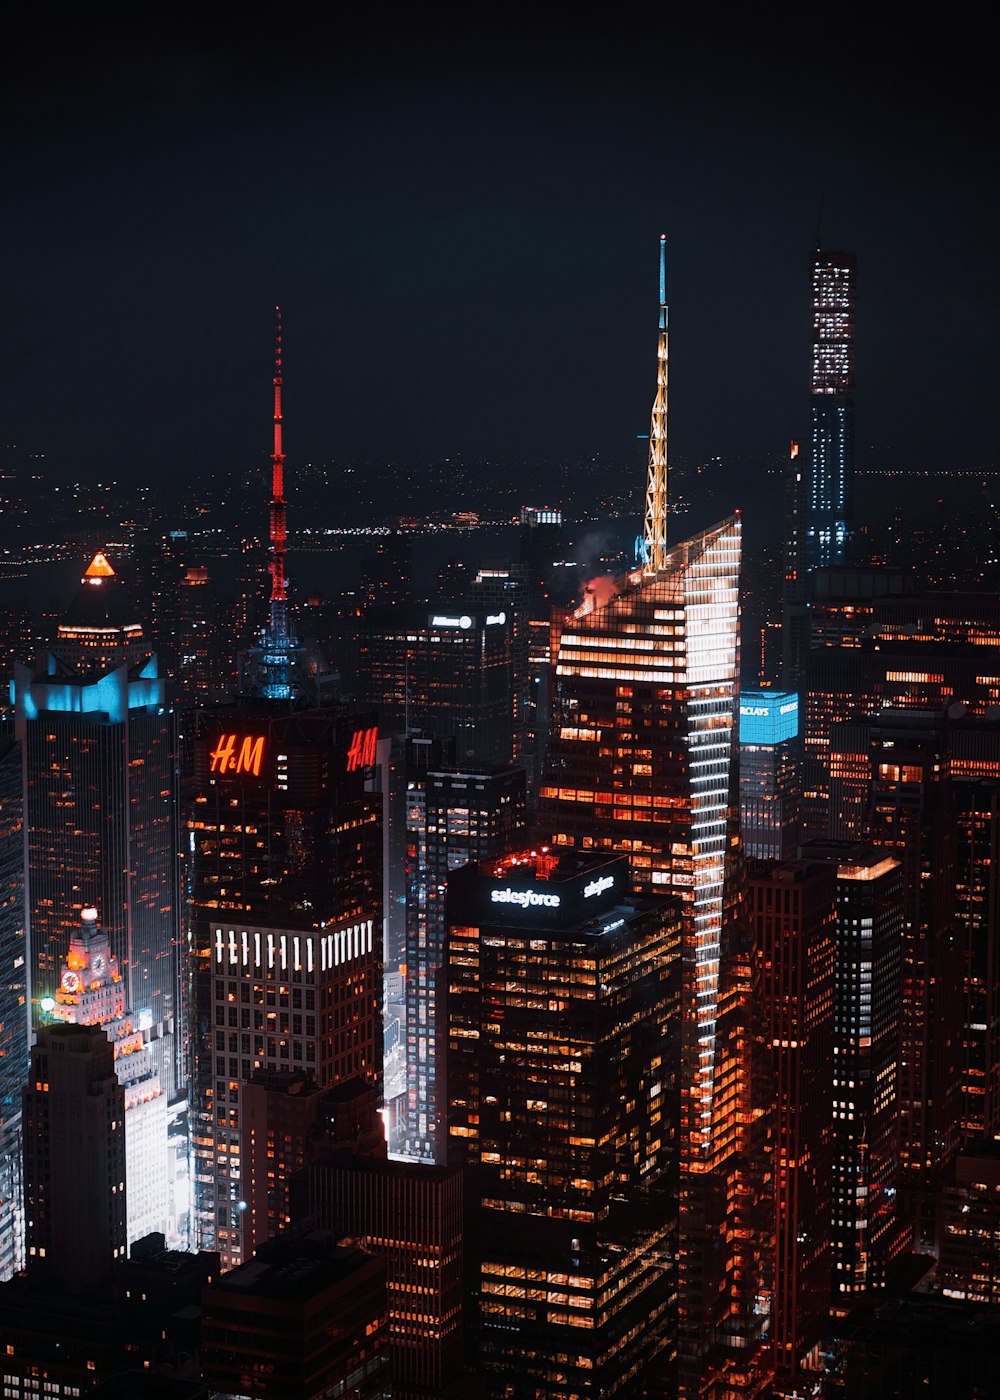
99 567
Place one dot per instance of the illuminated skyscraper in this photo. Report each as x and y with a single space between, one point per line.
453 817
92 993
644 679
867 1231
770 773
830 496
14 1021
562 1085
283 893
100 795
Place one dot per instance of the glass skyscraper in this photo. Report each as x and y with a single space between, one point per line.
830 495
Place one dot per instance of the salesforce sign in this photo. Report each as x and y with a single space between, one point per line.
768 716
526 899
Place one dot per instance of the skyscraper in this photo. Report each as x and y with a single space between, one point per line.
283 893
92 993
100 804
14 1022
74 1158
453 816
770 773
830 496
644 677
867 1231
562 1084
793 908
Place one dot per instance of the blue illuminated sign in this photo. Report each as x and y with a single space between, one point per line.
768 716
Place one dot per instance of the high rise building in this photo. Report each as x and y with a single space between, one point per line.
449 669
305 1318
913 818
793 907
795 592
562 1085
644 679
830 495
14 1022
970 1239
867 1231
453 816
770 773
74 1159
283 890
92 993
100 804
410 1214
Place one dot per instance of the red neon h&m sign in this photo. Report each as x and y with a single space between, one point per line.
361 753
226 758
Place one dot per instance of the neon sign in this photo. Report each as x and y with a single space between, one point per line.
525 899
226 758
361 753
598 886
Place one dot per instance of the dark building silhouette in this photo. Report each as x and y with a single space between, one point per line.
447 668
562 1086
74 1159
304 1320
411 1216
969 1266
793 907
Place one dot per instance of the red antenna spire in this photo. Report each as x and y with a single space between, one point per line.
278 529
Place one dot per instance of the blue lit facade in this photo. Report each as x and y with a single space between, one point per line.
830 487
100 791
770 773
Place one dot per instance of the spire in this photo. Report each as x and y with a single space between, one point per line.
655 529
278 529
98 568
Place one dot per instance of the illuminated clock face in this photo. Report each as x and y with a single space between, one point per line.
98 965
70 981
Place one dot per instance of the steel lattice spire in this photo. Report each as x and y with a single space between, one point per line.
278 529
655 529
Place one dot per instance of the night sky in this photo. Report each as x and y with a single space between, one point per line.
461 218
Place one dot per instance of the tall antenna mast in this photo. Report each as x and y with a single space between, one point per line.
279 620
655 529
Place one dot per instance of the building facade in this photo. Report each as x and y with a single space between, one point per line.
830 493
14 1015
770 774
562 1055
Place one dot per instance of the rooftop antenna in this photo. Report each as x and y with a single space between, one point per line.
655 528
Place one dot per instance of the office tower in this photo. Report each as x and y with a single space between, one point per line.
795 592
448 669
562 1086
975 772
969 1267
410 1215
74 1159
100 804
914 1347
913 818
453 816
867 1231
640 762
13 1007
875 644
793 907
283 891
770 773
830 496
92 993
305 1318
287 1121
